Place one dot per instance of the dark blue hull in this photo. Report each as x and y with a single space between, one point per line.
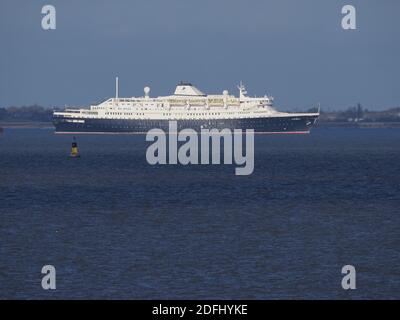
295 124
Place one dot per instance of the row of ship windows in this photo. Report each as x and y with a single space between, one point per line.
129 108
195 114
169 114
127 105
102 108
124 114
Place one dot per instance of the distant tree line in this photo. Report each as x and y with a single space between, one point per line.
26 113
360 114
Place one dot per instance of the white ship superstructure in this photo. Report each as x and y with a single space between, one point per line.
190 107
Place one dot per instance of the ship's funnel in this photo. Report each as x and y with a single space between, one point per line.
187 89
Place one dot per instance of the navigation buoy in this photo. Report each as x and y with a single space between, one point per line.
74 149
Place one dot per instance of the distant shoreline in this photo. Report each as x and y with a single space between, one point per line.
361 125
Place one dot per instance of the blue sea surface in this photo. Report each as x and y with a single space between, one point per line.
116 227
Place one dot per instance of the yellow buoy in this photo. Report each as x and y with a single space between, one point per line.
74 149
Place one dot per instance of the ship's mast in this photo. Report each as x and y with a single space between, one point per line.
242 91
115 101
116 88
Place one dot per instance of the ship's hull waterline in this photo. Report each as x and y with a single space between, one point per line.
298 124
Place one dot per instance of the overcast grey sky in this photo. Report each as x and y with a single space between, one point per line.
295 50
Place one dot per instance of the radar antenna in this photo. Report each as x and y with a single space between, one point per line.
242 90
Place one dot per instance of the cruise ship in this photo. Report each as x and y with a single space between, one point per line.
189 107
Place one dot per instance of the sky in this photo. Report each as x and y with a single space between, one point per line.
294 50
